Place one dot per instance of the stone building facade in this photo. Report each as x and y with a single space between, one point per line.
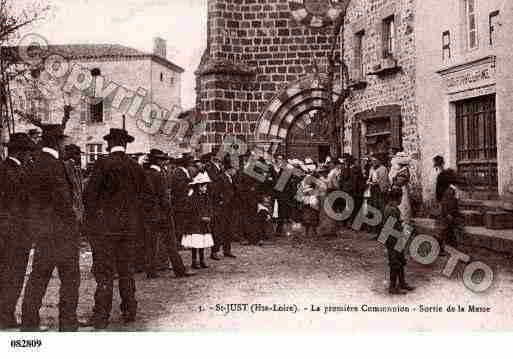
464 92
379 45
259 64
155 78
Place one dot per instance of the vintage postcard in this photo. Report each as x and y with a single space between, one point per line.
255 166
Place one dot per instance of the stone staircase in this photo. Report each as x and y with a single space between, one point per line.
488 224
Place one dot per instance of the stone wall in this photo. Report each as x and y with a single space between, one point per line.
255 48
394 89
131 74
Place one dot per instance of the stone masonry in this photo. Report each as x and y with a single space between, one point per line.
255 48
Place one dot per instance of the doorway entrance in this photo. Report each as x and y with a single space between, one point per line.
308 137
476 144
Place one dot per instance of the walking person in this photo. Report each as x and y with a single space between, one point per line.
396 255
56 234
117 196
197 234
15 241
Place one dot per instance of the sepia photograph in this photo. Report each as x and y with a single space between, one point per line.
196 166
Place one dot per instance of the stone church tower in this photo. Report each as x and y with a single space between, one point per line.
260 72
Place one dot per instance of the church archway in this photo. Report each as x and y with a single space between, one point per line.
297 102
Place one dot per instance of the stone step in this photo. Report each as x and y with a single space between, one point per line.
473 218
498 220
485 206
499 240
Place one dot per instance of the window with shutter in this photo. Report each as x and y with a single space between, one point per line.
96 111
83 112
356 138
397 134
471 21
106 110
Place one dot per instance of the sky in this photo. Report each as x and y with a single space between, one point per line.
134 23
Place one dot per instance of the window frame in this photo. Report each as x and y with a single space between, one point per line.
388 37
446 45
94 149
358 53
492 31
94 111
469 31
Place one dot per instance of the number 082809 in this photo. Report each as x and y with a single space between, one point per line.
26 343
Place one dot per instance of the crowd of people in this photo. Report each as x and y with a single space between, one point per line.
137 216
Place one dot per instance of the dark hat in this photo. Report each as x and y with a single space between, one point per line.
21 142
156 154
34 132
323 169
51 131
213 157
118 134
438 159
184 159
73 149
205 158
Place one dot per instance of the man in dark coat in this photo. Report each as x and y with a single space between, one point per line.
116 198
214 168
228 205
56 234
15 241
160 227
72 161
247 190
180 199
356 182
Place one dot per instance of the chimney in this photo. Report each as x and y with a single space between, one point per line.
160 47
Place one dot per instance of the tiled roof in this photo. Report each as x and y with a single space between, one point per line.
97 51
80 51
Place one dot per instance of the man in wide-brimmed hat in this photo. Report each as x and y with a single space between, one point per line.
226 228
14 240
214 169
116 198
161 227
56 233
180 179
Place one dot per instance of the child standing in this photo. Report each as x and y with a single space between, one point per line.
197 231
396 258
264 219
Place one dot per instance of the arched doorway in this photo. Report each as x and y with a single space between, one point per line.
294 122
308 137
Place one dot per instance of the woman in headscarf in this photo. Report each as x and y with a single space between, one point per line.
308 196
378 182
400 177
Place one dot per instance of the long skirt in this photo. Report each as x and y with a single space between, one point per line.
198 241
